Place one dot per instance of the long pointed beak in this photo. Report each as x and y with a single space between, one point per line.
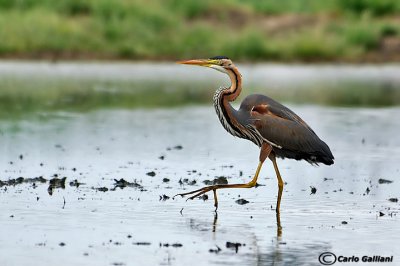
197 62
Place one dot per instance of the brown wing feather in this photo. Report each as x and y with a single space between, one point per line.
279 125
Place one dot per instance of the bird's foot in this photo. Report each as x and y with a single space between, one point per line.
197 192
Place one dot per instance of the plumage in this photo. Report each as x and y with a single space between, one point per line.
276 129
281 126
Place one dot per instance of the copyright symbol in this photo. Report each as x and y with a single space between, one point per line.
327 258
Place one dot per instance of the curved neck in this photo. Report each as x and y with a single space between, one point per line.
222 97
235 89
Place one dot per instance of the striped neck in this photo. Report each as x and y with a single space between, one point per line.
235 89
223 96
228 115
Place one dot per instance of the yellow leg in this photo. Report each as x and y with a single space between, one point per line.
280 183
280 190
265 151
214 188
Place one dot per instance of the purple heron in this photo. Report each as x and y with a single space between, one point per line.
276 129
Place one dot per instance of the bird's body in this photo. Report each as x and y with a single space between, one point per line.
276 124
277 130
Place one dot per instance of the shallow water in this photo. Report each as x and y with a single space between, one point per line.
104 228
31 87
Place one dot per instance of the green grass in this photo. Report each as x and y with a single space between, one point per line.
287 30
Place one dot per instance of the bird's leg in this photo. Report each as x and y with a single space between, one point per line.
280 182
265 151
215 200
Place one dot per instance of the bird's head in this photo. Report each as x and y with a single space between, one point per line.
220 63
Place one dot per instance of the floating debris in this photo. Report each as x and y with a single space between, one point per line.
242 201
384 181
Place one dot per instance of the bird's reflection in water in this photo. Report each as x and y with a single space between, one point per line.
279 252
278 224
214 227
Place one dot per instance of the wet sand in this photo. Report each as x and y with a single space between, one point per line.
99 219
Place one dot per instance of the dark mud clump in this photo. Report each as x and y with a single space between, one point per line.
242 201
102 189
152 173
215 250
164 197
75 183
313 190
56 183
221 180
186 181
122 183
233 245
384 181
177 147
22 180
141 243
174 245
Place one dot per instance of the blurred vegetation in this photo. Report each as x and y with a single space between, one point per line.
286 30
21 97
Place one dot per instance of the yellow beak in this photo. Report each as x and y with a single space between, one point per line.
198 62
